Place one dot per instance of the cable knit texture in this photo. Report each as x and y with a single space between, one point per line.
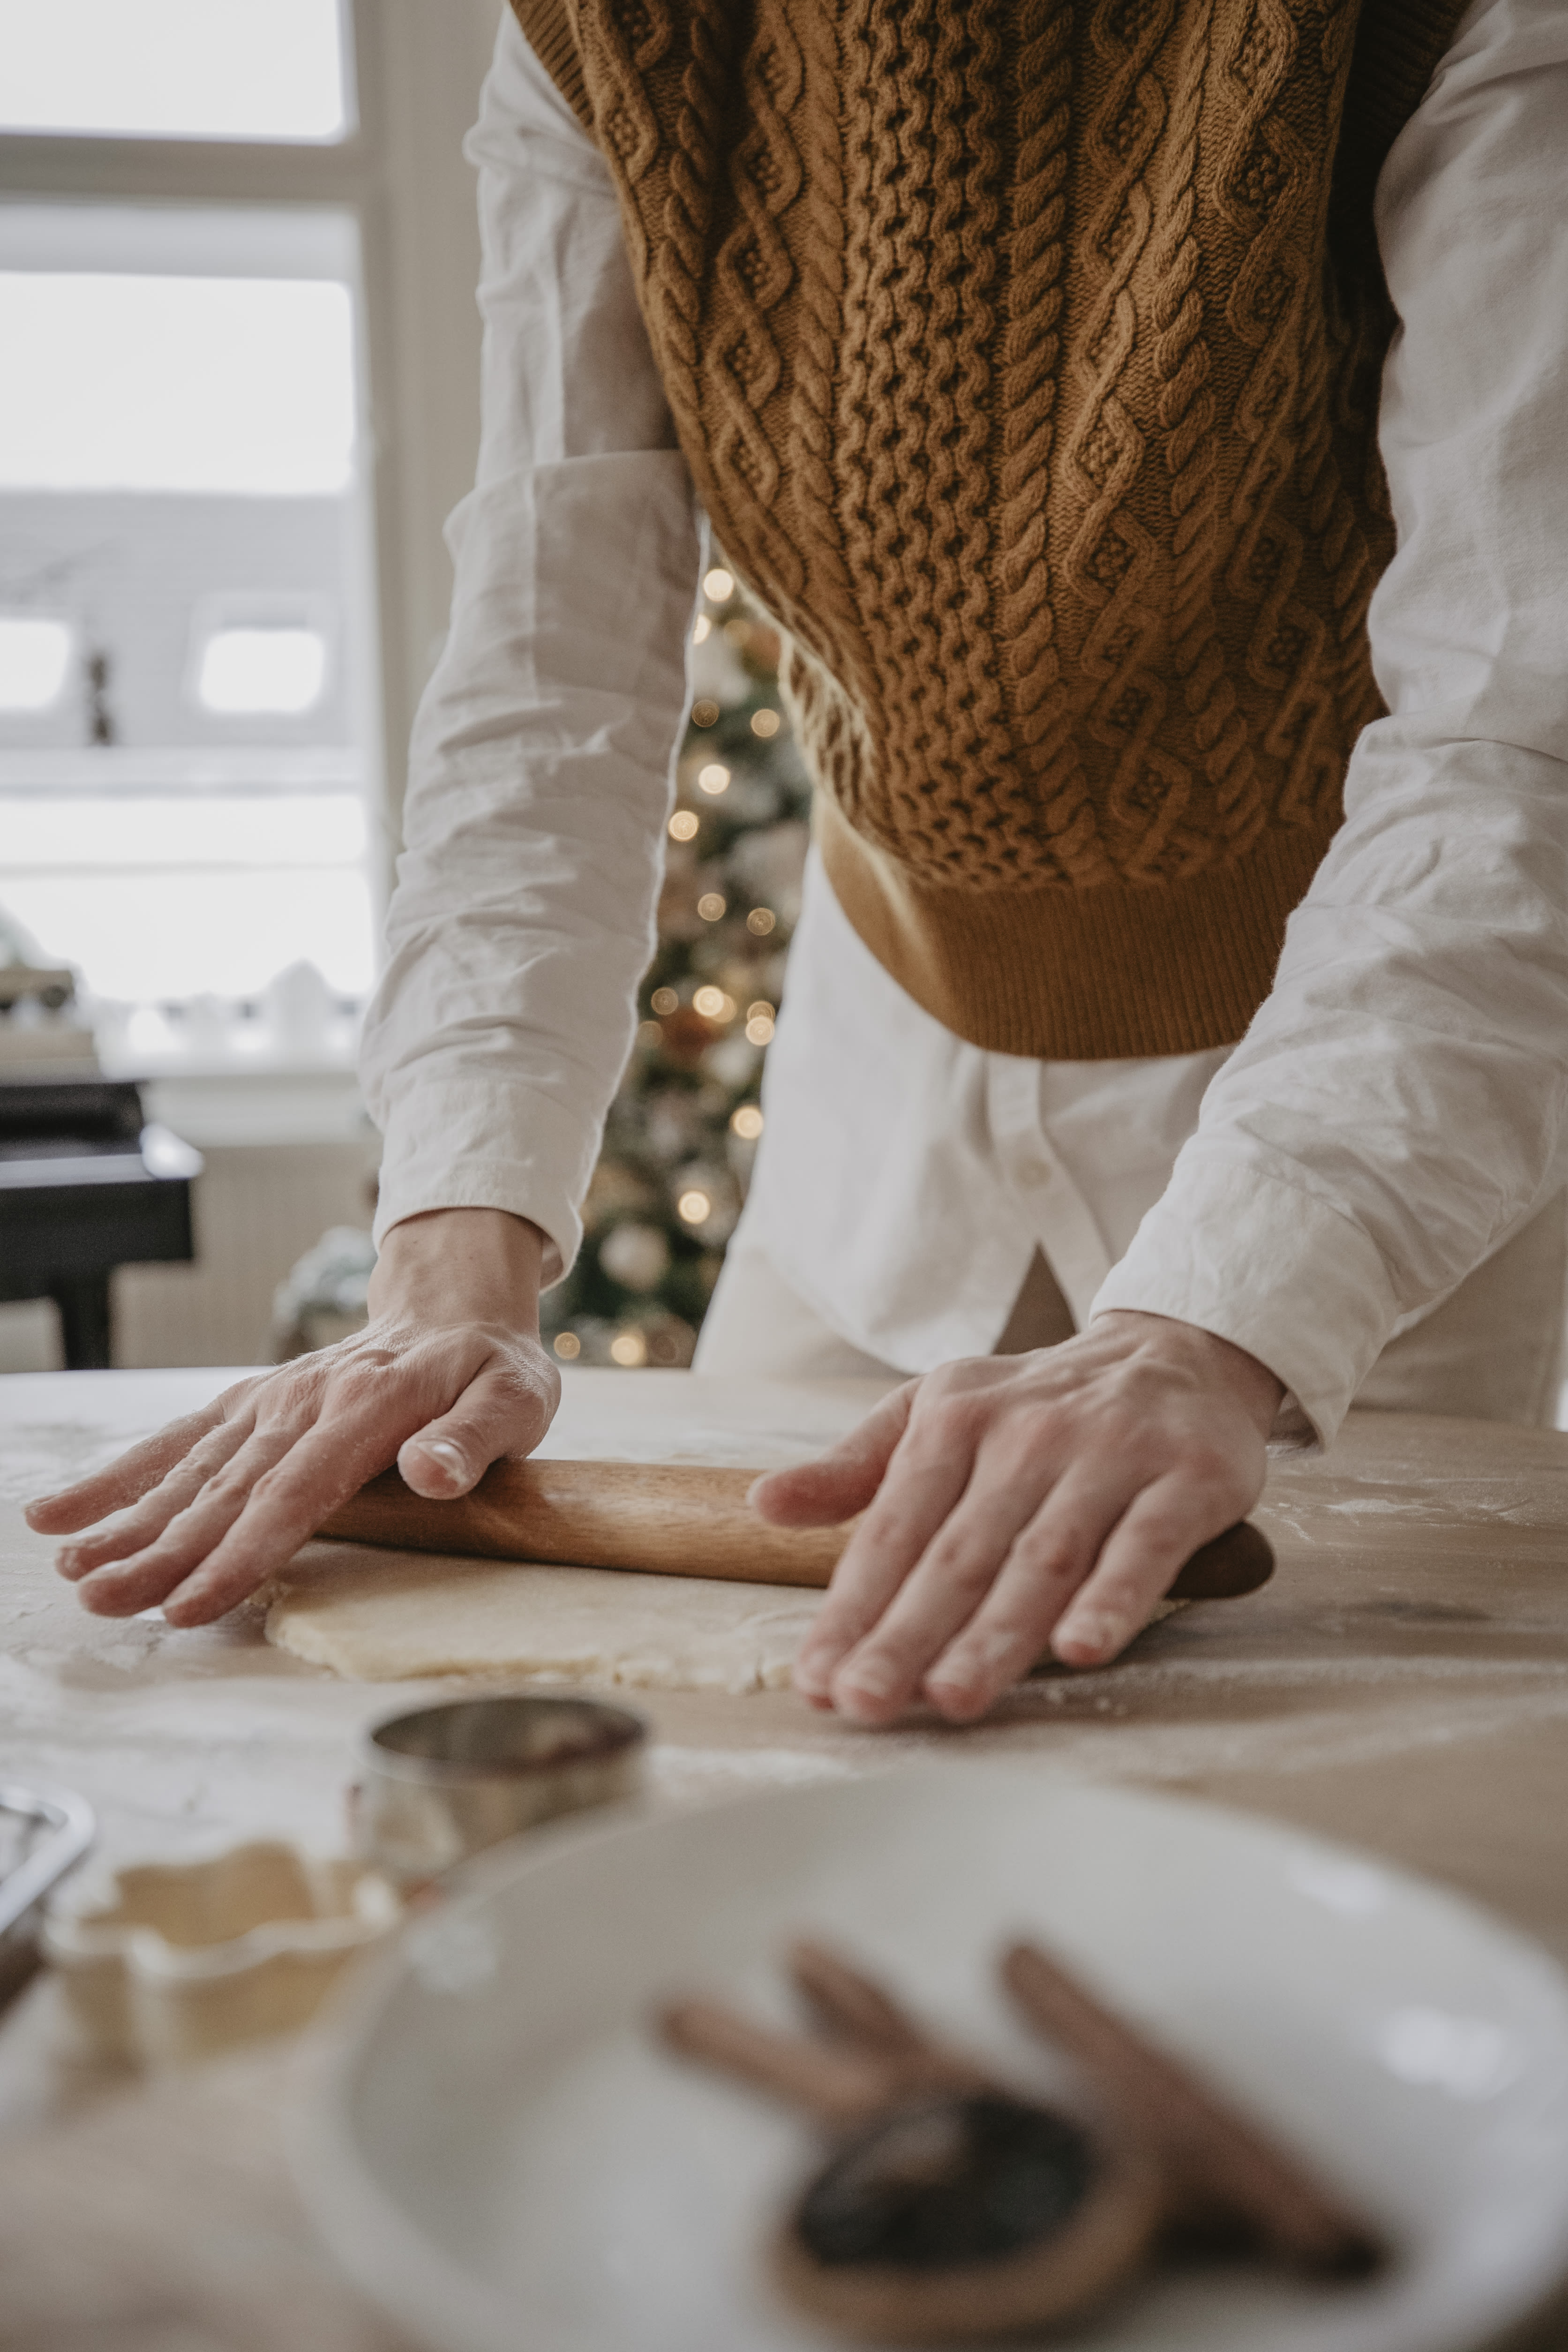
1025 355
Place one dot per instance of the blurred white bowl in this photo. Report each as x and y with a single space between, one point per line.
497 2148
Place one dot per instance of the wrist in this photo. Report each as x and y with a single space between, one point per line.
450 1265
1257 1390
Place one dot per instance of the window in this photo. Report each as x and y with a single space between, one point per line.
175 68
228 237
183 568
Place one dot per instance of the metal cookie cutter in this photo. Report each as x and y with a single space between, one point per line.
447 1781
43 1833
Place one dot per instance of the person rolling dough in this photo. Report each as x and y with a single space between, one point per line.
1147 426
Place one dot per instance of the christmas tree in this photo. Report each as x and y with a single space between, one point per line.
683 1128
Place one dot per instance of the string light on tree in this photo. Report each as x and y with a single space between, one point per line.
637 1255
685 1125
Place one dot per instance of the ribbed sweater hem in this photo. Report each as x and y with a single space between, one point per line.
1074 975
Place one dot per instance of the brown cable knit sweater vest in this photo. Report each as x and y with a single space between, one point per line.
1025 355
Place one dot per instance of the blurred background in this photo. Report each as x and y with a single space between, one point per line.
237 255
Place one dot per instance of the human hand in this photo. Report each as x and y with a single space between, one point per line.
449 1375
1020 1500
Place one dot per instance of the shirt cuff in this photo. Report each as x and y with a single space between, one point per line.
1269 1265
501 1146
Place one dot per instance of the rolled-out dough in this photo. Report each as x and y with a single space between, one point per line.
378 1617
375 1616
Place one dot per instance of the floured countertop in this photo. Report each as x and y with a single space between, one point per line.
1402 1684
1413 1640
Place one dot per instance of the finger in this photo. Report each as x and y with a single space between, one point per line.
1139 1563
499 1414
843 1480
147 1577
133 1529
950 1581
909 1507
126 1479
283 1511
1050 1558
328 1464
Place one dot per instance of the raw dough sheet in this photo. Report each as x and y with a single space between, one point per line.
378 1616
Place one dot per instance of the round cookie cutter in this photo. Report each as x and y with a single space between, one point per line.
444 1783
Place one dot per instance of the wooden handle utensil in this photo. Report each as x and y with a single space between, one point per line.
1222 2164
671 1518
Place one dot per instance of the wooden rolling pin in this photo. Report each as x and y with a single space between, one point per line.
671 1518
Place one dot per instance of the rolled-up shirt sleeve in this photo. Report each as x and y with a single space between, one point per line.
539 765
1396 1110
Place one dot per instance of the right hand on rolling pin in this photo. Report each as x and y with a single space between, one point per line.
449 1376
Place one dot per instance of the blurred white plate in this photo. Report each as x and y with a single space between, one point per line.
497 2150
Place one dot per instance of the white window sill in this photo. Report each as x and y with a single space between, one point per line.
283 1104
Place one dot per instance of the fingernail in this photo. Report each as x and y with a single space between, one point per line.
445 1454
962 1675
1095 1630
871 1682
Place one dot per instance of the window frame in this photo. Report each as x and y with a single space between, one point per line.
413 75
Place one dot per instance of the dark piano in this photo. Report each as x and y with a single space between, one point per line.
86 1184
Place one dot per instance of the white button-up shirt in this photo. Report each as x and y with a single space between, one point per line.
1396 1109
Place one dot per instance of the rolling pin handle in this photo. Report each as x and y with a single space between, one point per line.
1238 1562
